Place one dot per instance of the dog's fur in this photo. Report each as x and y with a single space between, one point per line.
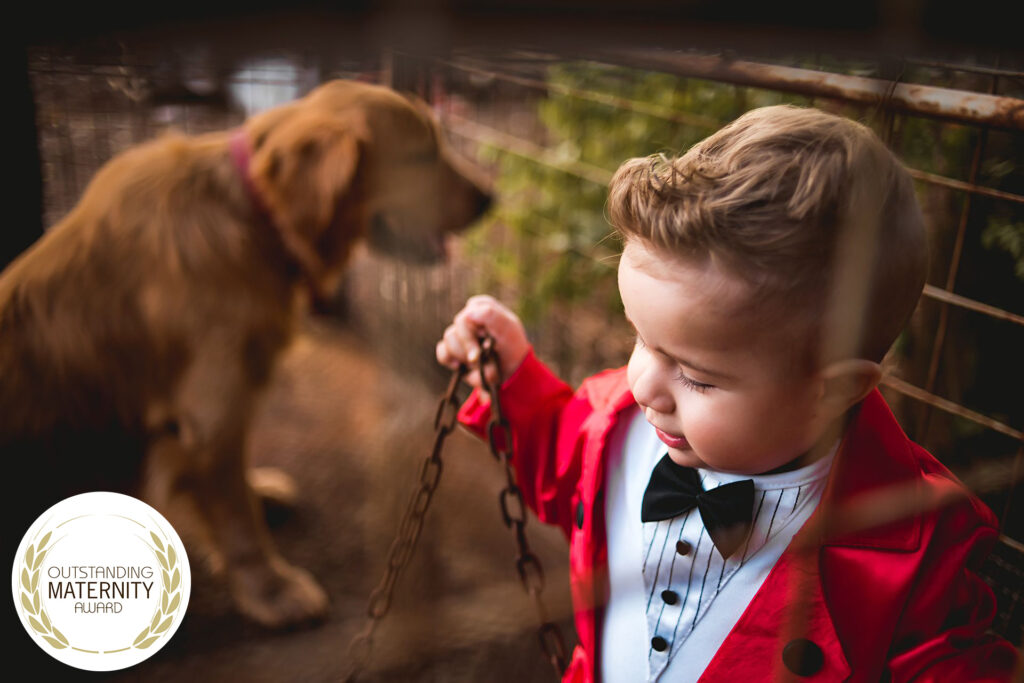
136 334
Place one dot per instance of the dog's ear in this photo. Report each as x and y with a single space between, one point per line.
303 167
420 104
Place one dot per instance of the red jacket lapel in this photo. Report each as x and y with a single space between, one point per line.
809 593
883 551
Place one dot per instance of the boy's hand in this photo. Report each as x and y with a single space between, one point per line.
461 341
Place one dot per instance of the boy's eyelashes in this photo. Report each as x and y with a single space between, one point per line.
692 383
681 376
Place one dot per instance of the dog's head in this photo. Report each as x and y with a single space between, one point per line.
354 160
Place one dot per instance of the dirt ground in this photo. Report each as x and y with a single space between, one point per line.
353 434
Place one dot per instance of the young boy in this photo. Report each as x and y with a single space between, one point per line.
740 502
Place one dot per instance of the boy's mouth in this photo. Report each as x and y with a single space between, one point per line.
678 442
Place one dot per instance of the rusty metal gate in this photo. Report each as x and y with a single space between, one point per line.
956 382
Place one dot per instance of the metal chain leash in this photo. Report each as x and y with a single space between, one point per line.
528 566
409 529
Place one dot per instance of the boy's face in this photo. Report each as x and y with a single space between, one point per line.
715 381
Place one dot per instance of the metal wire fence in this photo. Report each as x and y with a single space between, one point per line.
955 383
937 400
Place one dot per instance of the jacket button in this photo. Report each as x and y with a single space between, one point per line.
659 643
670 597
579 515
803 657
683 548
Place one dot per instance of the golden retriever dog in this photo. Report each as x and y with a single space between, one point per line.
136 335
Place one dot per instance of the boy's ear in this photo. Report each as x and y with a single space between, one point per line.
845 383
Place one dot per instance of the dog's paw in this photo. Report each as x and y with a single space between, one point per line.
273 487
279 595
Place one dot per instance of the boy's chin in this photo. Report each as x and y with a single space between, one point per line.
686 458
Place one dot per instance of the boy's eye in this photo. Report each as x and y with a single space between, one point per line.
681 376
693 384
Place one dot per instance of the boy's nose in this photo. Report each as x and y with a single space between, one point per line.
650 391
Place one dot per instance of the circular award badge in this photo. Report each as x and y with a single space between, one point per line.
101 581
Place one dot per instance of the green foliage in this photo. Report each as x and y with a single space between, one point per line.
1003 169
548 246
1007 236
548 250
934 147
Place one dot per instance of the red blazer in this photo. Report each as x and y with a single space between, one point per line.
889 597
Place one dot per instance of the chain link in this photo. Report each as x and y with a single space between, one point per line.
528 566
409 529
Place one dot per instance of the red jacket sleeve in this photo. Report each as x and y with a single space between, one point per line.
942 635
546 418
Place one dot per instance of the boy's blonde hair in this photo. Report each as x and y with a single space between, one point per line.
811 209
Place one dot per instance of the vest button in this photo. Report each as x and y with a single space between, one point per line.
659 644
670 597
579 515
803 657
683 548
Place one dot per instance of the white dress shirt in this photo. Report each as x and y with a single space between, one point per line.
673 600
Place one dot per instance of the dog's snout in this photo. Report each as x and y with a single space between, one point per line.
485 200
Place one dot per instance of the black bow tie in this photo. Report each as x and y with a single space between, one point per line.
727 510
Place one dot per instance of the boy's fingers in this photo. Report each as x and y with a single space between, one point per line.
485 315
455 344
467 333
495 321
460 343
444 357
450 359
482 300
506 329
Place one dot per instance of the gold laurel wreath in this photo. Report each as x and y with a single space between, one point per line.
164 616
162 620
30 594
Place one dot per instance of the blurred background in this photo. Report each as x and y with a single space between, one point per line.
550 98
